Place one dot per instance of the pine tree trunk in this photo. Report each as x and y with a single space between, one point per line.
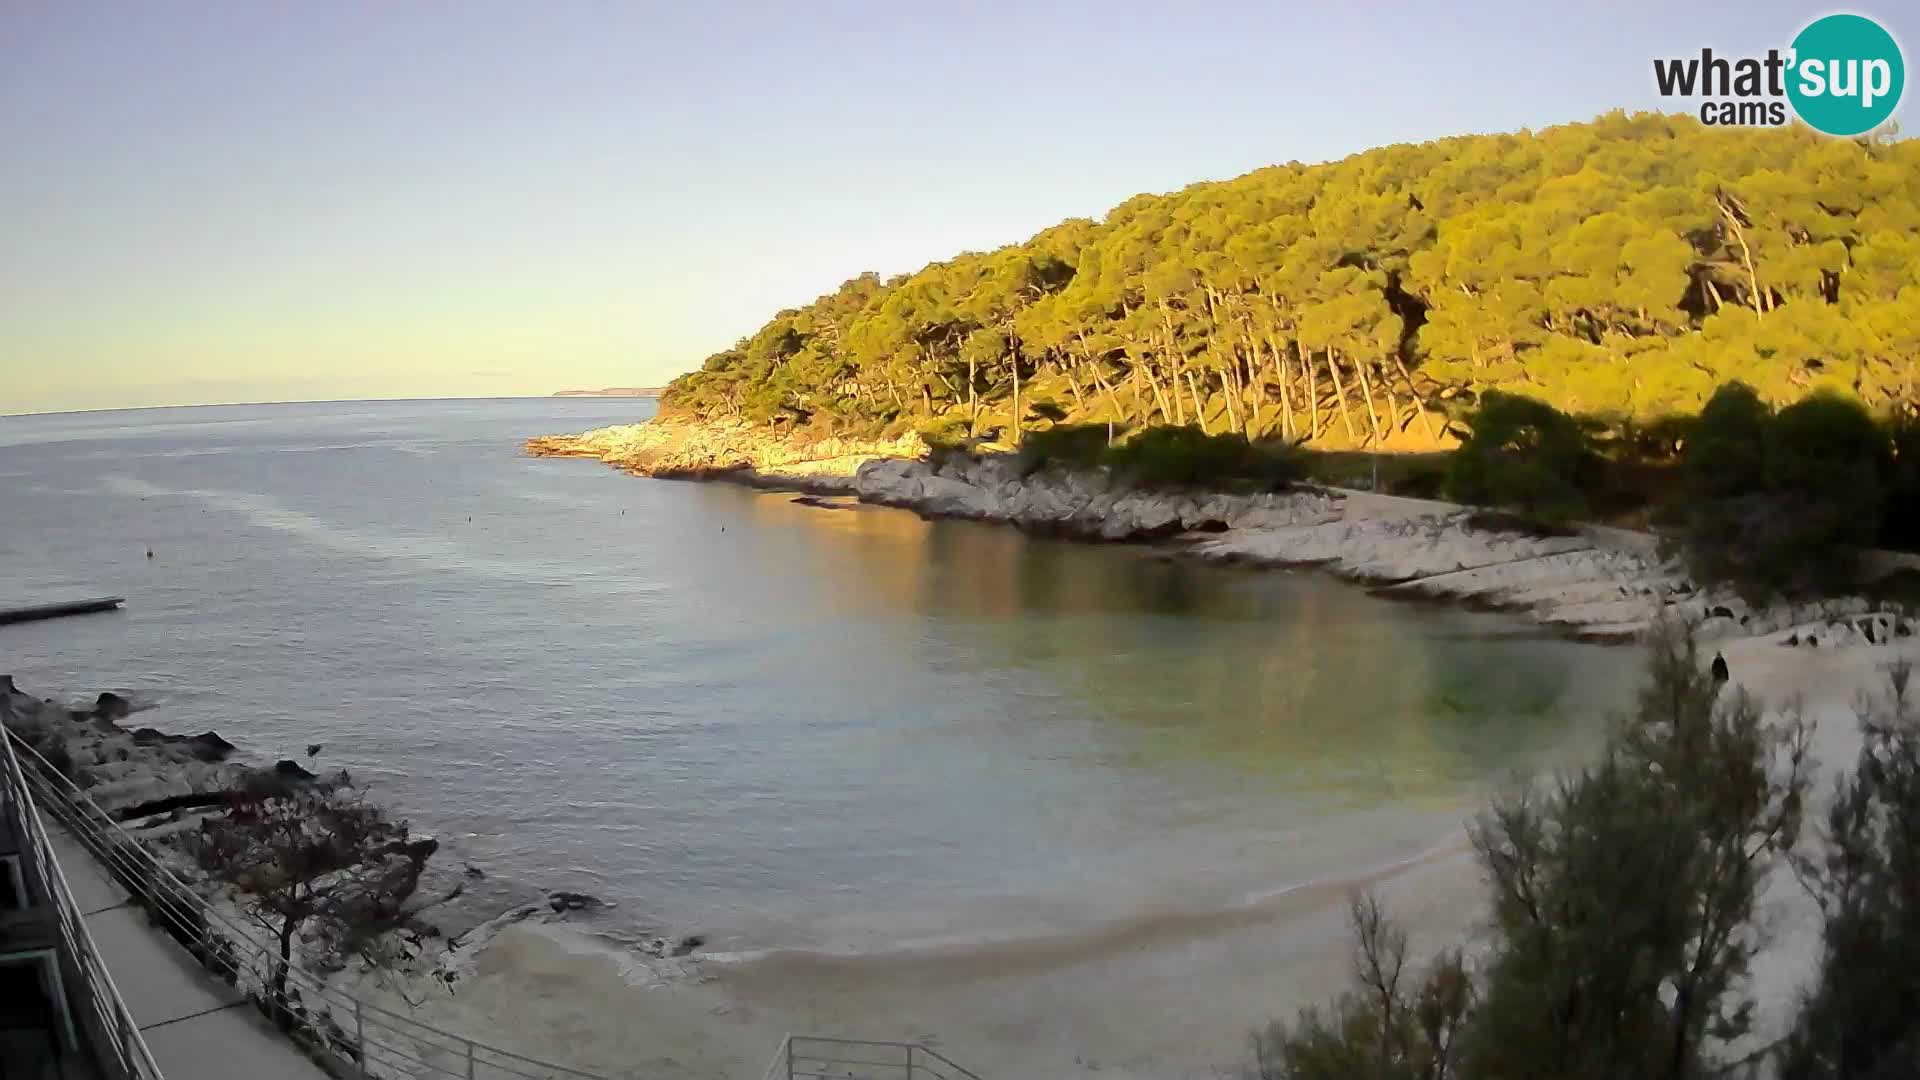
1313 396
973 399
1250 375
1175 364
1159 397
1015 359
1414 392
1746 256
1366 388
1233 411
1229 383
1199 408
1340 397
1286 398
1112 392
1393 406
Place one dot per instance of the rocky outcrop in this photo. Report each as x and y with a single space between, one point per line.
121 769
160 787
1846 625
736 451
207 746
1089 505
111 706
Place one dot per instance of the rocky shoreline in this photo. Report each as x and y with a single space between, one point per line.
159 787
1595 583
737 452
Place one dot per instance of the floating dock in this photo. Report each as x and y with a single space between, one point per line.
55 611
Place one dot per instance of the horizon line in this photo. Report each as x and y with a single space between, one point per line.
329 401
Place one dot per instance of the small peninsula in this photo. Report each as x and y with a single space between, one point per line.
613 391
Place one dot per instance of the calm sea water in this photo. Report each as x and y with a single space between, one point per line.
728 712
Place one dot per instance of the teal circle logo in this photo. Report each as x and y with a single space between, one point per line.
1847 74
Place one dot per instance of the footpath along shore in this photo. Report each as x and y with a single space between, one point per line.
195 1025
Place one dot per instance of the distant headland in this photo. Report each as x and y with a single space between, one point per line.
614 391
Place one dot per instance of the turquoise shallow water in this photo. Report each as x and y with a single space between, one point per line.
774 723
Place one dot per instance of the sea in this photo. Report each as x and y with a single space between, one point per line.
725 712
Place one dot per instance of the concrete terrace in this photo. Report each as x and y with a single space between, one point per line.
195 1025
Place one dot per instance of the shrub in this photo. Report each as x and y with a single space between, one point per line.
1900 518
1524 455
1824 438
949 432
1657 440
316 856
1859 1021
1783 502
1623 911
1389 1029
1068 446
1624 899
1167 456
1726 452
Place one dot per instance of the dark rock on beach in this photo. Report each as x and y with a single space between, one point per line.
111 706
209 746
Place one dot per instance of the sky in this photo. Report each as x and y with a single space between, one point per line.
208 201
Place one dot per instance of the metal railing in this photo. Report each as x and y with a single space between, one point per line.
817 1057
364 1039
92 999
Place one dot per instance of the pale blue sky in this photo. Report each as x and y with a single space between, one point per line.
228 201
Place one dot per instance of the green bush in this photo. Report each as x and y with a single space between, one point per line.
1829 446
947 432
1859 1020
1726 452
1067 446
1526 456
1164 457
1396 1025
1167 456
1900 517
1623 912
1783 503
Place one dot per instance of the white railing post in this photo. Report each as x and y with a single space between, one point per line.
469 1059
360 1038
